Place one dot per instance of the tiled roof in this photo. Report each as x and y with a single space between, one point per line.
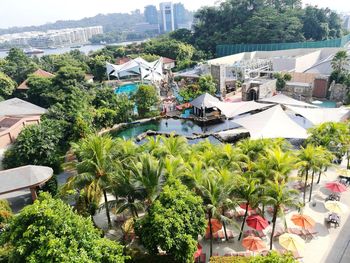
39 73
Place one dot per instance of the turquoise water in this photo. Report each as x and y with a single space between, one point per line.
328 104
178 126
126 89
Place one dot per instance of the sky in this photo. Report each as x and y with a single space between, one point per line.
36 12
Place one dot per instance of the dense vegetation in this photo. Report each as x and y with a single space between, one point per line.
262 21
49 230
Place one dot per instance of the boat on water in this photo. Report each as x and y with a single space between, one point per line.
75 46
33 51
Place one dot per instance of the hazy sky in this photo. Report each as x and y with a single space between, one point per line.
35 12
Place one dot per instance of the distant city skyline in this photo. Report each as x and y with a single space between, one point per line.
37 12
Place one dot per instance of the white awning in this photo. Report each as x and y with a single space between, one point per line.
285 100
152 71
232 109
272 123
320 115
23 177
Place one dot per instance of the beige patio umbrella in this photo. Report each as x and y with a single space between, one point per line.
343 172
336 207
292 242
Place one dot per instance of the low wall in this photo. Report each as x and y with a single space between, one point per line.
9 134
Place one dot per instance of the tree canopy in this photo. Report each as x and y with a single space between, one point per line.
49 231
177 235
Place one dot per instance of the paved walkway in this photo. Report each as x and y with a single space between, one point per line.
340 251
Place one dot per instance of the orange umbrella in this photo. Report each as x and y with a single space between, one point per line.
215 226
253 243
303 221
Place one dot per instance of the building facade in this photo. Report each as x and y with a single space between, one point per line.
151 14
167 17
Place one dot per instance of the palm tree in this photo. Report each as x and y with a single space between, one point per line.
247 191
322 159
328 157
279 196
215 186
307 160
94 166
340 61
147 172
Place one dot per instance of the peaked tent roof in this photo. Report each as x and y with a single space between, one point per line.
272 123
205 100
23 177
285 100
232 109
18 107
320 115
39 73
137 67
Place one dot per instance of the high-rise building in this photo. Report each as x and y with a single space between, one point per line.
179 15
151 14
167 17
347 22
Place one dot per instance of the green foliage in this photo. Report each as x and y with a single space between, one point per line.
18 65
281 80
49 230
105 118
7 85
176 234
340 64
98 67
146 98
50 186
40 91
68 76
40 144
205 84
5 212
261 21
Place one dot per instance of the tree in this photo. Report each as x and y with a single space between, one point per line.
308 161
40 144
340 66
173 222
207 85
281 80
146 99
18 65
94 166
247 191
279 195
5 214
68 76
98 67
7 86
49 231
40 91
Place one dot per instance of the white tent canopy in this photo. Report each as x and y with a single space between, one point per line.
320 115
152 71
285 100
232 109
272 123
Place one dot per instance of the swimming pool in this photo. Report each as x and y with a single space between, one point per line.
126 89
328 104
178 126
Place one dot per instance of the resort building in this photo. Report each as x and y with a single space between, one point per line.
15 114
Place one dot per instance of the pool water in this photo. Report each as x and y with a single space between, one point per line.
126 89
178 126
328 104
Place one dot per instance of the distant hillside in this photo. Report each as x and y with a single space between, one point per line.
110 22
